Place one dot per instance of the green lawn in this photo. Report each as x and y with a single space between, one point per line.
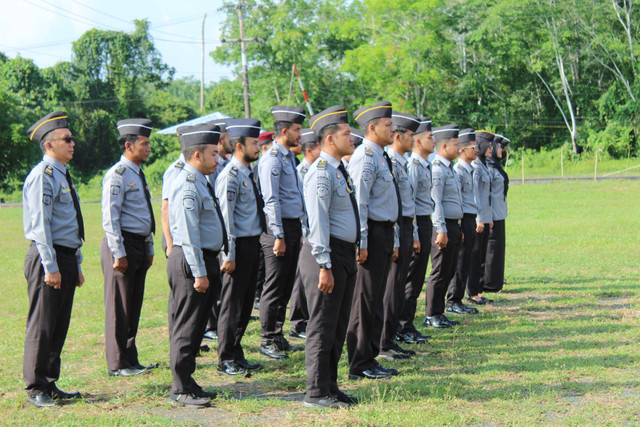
560 346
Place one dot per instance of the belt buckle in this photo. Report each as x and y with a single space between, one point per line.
146 239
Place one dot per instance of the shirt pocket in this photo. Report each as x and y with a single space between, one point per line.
134 193
207 204
65 196
246 194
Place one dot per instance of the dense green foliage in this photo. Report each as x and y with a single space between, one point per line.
543 72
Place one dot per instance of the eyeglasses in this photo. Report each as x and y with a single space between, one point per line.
67 139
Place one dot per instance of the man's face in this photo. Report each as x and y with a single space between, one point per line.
406 141
470 151
60 145
384 130
344 140
250 149
451 149
224 142
209 160
140 149
293 135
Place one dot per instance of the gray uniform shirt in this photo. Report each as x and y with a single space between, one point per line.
407 192
375 191
124 206
464 174
49 217
482 189
420 178
238 204
302 169
445 194
170 175
280 188
193 218
498 199
329 204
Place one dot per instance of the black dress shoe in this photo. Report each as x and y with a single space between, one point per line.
481 301
127 372
270 349
390 371
296 334
487 300
345 398
283 345
324 402
148 368
57 394
470 310
203 349
42 400
206 394
189 400
412 337
451 322
399 349
457 309
374 373
210 335
244 363
392 354
438 321
231 368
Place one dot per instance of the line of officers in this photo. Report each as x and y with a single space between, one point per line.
348 232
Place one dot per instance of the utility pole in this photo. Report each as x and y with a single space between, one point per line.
202 69
240 7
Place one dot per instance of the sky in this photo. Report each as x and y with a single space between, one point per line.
43 30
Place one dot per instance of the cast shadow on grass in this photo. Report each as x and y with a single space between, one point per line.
574 284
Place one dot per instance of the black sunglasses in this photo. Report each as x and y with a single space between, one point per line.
67 139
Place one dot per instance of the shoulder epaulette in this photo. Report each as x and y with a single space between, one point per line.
233 171
180 165
394 161
368 151
416 162
120 170
322 164
48 170
274 151
191 178
437 162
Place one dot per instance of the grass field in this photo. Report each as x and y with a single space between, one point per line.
561 345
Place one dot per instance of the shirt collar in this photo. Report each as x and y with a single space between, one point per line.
281 148
329 158
466 165
241 167
55 163
130 164
444 161
375 147
398 157
304 163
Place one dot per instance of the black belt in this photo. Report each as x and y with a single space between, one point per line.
65 250
334 241
423 216
210 253
134 236
292 219
407 219
386 224
452 221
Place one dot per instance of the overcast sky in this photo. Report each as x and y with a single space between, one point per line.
43 30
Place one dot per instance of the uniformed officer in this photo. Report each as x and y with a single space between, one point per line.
446 225
284 208
328 260
298 312
198 233
405 236
53 222
464 174
241 206
494 264
379 209
126 252
482 187
420 179
224 150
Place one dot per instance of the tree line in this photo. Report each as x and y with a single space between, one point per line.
543 72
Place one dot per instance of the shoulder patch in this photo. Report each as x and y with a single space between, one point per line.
48 170
179 165
368 151
233 171
322 164
191 178
120 170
